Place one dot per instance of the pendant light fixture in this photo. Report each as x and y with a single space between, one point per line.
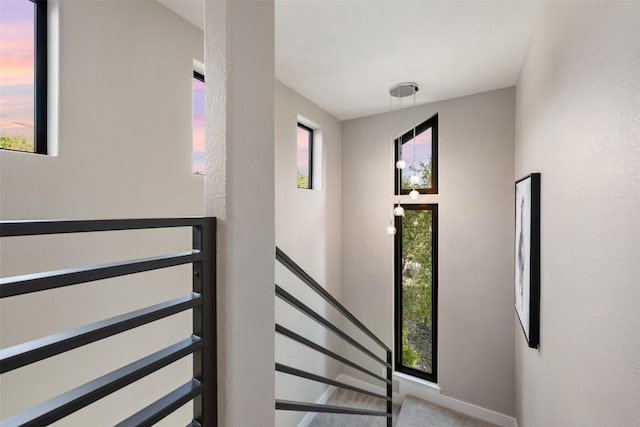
391 229
399 91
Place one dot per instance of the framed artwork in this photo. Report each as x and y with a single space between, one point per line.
527 257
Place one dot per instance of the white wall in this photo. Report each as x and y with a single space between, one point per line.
239 190
476 356
124 150
308 229
578 124
308 221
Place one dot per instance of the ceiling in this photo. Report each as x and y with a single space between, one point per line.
344 55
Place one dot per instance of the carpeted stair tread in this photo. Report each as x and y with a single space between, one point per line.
417 413
355 400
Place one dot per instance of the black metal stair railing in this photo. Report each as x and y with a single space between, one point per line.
303 308
201 344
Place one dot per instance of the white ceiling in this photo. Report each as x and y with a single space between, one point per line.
345 54
191 10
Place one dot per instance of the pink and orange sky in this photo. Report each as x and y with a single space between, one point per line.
16 67
303 151
423 154
198 126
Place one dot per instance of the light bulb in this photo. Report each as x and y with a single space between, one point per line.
414 179
391 230
398 211
401 164
414 194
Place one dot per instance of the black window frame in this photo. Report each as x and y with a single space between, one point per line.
310 159
432 123
41 76
40 143
398 366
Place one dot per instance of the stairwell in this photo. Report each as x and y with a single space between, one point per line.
413 412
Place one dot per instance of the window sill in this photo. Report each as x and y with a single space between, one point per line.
408 379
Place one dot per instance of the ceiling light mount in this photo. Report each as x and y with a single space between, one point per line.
402 90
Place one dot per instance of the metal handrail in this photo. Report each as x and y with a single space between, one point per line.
285 296
202 344
295 302
306 278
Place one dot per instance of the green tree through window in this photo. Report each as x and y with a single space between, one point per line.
416 290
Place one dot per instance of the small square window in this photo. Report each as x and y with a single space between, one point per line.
305 157
23 79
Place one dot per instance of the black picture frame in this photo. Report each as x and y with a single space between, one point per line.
527 257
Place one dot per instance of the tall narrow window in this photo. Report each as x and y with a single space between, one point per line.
23 75
416 291
421 158
198 124
305 156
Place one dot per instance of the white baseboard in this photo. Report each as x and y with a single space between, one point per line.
432 394
321 400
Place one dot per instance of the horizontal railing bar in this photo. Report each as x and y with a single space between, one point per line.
302 340
37 227
293 301
33 351
67 403
286 405
302 275
318 378
163 406
24 284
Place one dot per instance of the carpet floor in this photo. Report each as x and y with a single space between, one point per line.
342 397
414 413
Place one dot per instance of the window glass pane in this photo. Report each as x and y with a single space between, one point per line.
417 290
304 157
17 74
198 126
420 164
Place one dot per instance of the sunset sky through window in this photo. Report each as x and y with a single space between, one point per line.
17 68
198 126
303 151
423 154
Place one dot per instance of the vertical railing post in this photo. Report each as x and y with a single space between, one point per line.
389 391
204 323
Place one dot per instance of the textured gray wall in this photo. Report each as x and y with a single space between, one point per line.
578 123
239 190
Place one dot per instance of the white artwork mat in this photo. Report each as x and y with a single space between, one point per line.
523 252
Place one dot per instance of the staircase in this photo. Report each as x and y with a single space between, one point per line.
349 405
384 402
416 412
413 412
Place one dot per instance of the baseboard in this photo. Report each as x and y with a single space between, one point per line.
430 395
324 398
